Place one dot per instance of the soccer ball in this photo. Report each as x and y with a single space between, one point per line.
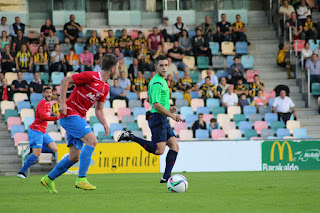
177 183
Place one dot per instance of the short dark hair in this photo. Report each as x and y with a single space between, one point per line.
46 88
200 114
255 76
236 57
3 17
213 120
72 49
109 61
208 77
160 58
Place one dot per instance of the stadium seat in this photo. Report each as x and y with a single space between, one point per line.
127 119
243 125
186 134
90 112
180 103
315 88
217 110
147 75
128 61
56 136
226 127
194 75
60 35
17 97
192 33
27 77
107 104
189 61
16 128
227 48
251 74
10 76
194 95
203 62
265 109
241 48
282 132
108 111
45 158
10 113
202 134
13 121
247 61
45 77
134 33
26 113
232 110
222 73
98 127
132 96
79 48
238 117
112 119
148 106
33 48
196 102
218 62
102 137
249 133
298 45
19 137
167 46
269 117
116 104
207 117
275 125
123 111
35 97
132 126
222 119
56 77
248 110
70 73
203 110
142 121
292 124
216 134
270 102
259 125
115 127
179 126
265 133
27 122
212 102
138 111
313 45
214 47
116 134
255 117
269 94
143 95
186 110
191 118
177 95
234 133
93 120
23 105
104 34
147 32
300 133
52 128
134 103
6 105
230 60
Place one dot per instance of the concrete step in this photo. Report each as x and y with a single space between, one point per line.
261 35
271 75
268 46
264 61
301 112
9 159
275 82
6 143
8 150
310 120
258 20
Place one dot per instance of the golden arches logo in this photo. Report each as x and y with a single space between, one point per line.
281 149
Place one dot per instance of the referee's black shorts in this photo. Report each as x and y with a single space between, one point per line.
160 128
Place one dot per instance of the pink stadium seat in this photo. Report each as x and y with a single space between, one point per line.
255 138
179 126
217 133
269 94
186 134
13 121
299 46
58 89
134 34
123 111
251 74
146 105
228 126
34 48
207 117
197 102
20 136
260 125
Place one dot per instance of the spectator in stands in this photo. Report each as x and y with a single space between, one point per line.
93 42
295 25
309 30
177 54
303 11
73 63
4 26
57 60
19 85
24 59
134 68
154 39
236 70
260 100
171 83
7 59
37 85
229 98
98 58
138 41
19 41
66 46
282 105
224 29
166 30
56 107
124 82
198 124
51 41
117 92
177 28
239 29
17 25
72 29
44 31
186 86
213 124
283 58
286 9
122 67
86 60
172 69
213 79
118 53
255 86
222 87
4 40
55 94
158 52
144 58
240 88
313 66
41 60
208 89
201 47
208 30
306 52
243 101
125 44
110 41
185 43
139 84
5 91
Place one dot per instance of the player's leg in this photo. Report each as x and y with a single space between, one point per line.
171 158
49 146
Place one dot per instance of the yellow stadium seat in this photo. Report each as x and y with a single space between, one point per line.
189 61
71 73
222 119
227 48
147 32
234 133
186 134
6 105
197 102
204 74
26 113
10 76
116 104
45 158
19 97
90 112
226 127
292 124
232 110
56 136
167 46
104 34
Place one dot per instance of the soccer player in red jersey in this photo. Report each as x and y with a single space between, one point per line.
91 88
39 140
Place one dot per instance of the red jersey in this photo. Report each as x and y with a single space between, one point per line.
42 115
89 89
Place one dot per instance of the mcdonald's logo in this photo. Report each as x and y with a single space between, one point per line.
281 149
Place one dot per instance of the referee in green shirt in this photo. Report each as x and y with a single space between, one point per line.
162 133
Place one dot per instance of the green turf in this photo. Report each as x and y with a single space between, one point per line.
208 192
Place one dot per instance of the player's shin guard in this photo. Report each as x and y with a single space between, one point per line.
28 163
170 161
47 150
85 159
149 146
60 168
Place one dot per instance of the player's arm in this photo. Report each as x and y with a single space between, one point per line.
43 114
63 93
163 111
100 115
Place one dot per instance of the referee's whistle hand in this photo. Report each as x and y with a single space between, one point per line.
178 118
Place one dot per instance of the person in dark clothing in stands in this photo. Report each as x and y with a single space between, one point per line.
19 85
198 124
200 46
72 29
17 25
36 86
5 91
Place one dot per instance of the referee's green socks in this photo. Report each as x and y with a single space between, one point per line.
149 146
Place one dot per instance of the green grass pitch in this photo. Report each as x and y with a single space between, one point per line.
208 192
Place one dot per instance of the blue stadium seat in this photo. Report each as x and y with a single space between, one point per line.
300 133
177 95
315 88
27 122
98 127
313 45
255 117
194 95
218 62
60 35
180 74
79 48
215 47
247 61
16 128
271 100
56 77
241 48
134 103
132 96
138 111
115 127
222 73
192 33
186 110
202 134
212 102
270 117
190 118
127 61
127 119
247 110
23 105
107 104
180 103
27 76
230 60
282 132
265 109
203 110
265 133
35 97
243 125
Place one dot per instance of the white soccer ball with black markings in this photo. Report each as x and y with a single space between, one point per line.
177 183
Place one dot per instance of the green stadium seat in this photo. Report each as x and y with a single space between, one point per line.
239 117
10 113
132 126
275 125
118 34
194 75
217 110
249 133
101 137
93 120
315 89
203 62
44 76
